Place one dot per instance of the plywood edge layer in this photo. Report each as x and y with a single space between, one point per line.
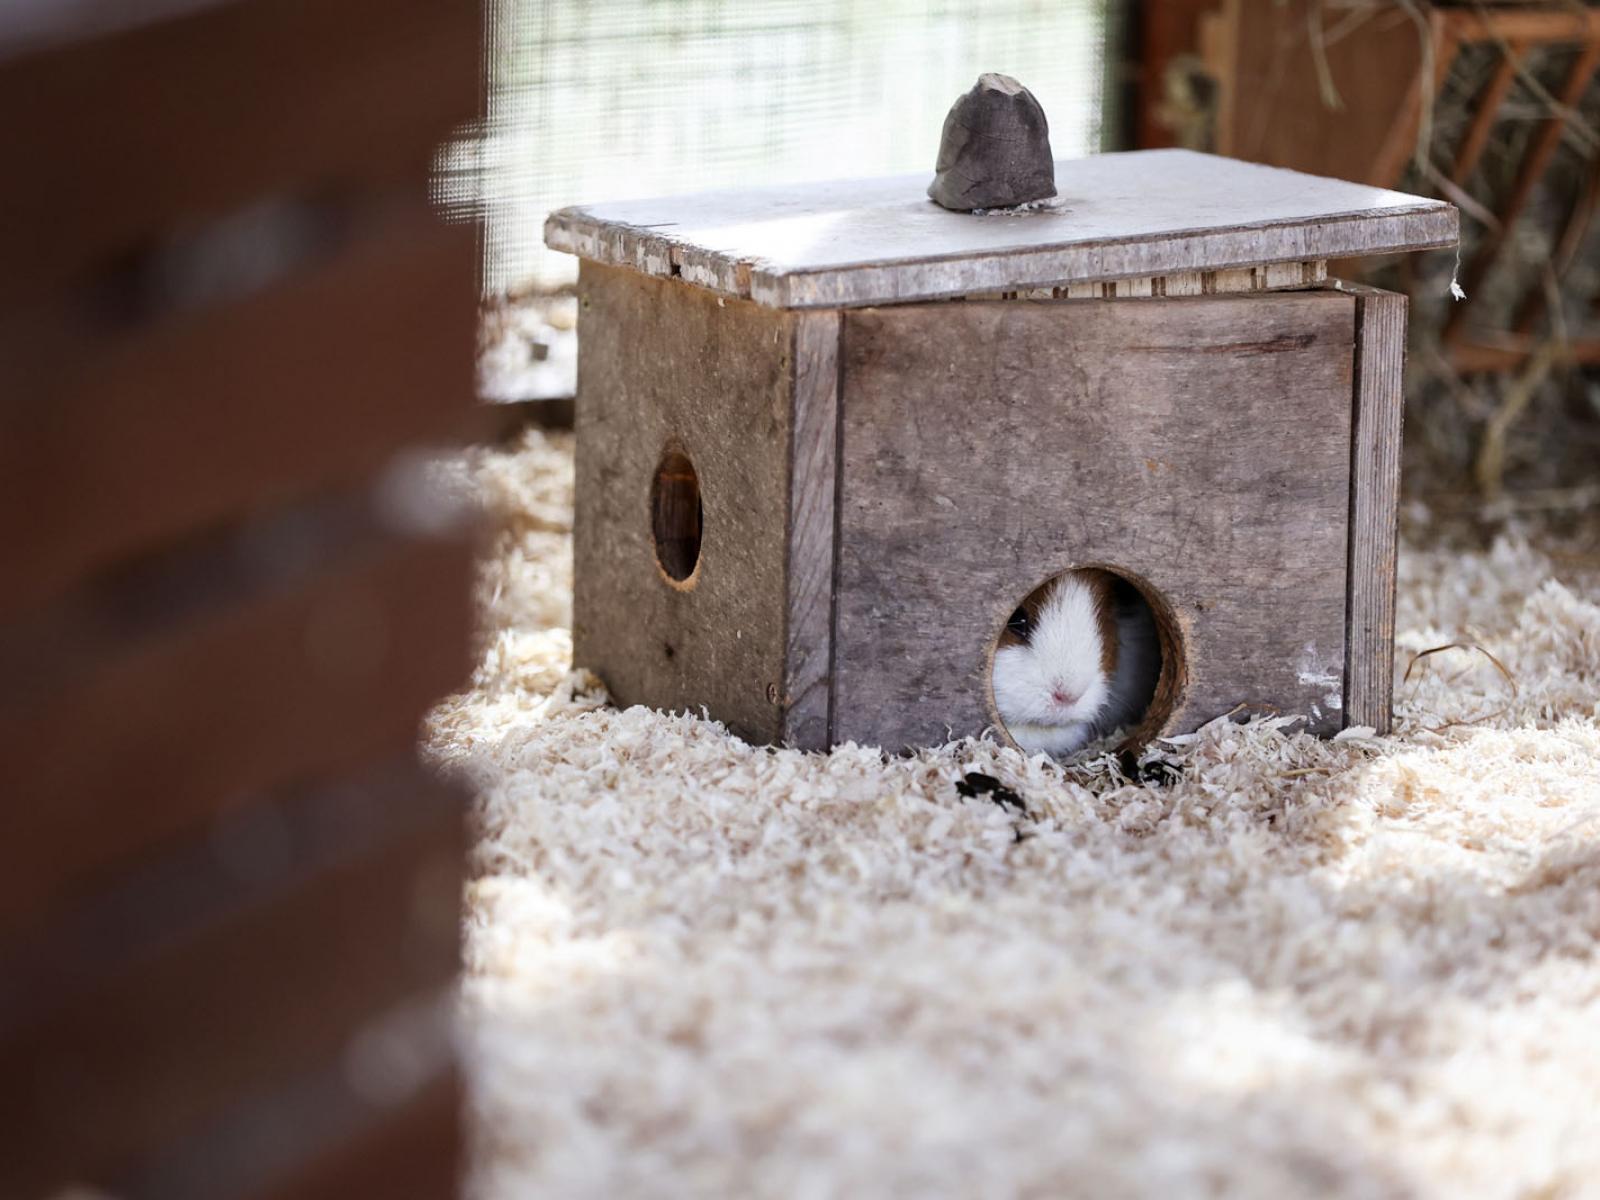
576 231
1269 278
1222 250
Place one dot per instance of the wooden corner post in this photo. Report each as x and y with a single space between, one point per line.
1377 415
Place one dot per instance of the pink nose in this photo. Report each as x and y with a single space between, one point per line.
1062 697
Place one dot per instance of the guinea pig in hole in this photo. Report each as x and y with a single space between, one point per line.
1079 664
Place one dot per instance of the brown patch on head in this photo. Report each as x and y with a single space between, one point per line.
1033 604
1103 587
1111 590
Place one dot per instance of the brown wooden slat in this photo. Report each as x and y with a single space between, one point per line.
1529 172
1278 113
172 732
1574 232
257 1137
1164 32
415 1155
1375 436
247 857
147 437
329 1129
124 136
154 1052
1544 23
73 637
1509 351
1483 119
1398 148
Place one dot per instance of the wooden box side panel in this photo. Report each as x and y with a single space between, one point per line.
663 363
1202 444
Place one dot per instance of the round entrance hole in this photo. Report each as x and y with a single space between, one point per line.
676 516
1088 661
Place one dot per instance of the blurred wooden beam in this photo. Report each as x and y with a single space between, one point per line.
126 1063
136 438
1508 352
185 120
231 331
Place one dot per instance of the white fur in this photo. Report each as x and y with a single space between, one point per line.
1064 654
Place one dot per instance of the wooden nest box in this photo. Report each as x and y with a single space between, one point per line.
829 437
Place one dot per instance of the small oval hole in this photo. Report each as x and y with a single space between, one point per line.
676 516
1090 660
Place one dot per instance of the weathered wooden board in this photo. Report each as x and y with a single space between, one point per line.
257 993
169 733
329 1135
123 139
1202 444
1379 409
1268 277
1144 213
667 365
416 1154
136 439
1274 104
813 484
226 305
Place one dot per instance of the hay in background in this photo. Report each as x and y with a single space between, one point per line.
1359 967
1537 428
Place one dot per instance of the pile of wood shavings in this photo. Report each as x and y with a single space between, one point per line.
1360 967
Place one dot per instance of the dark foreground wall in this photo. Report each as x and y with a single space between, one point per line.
229 895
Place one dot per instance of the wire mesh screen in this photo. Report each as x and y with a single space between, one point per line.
614 99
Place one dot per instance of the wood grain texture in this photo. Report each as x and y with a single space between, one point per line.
663 364
1139 214
808 641
1201 444
137 439
1374 505
168 733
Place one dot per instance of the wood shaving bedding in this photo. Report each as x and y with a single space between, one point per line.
1358 967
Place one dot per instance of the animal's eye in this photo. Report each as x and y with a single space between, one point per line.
1020 623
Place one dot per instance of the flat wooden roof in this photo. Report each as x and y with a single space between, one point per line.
882 241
